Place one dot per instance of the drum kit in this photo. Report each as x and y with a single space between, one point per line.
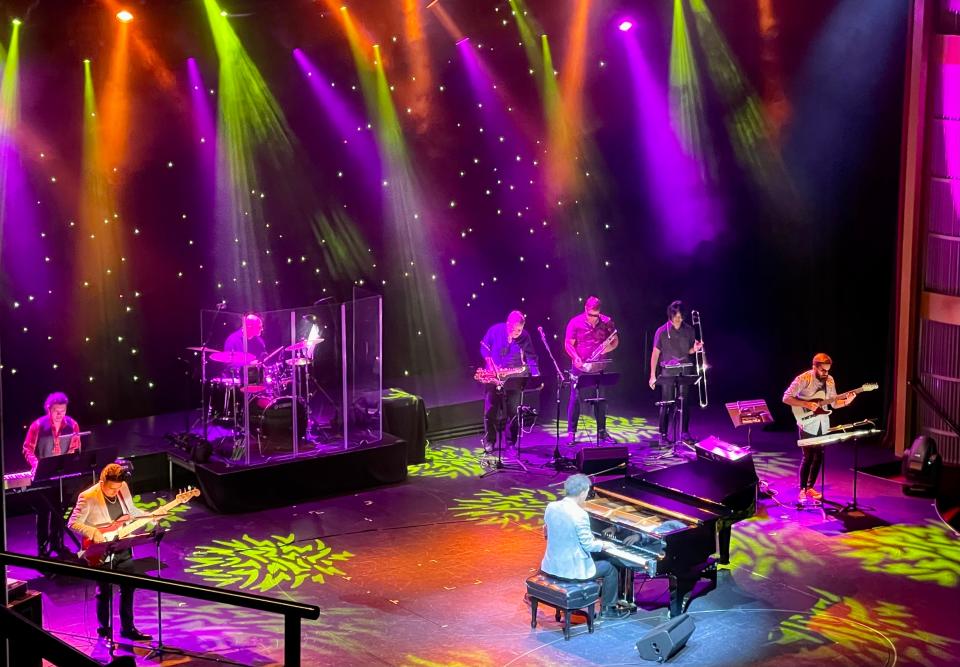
273 385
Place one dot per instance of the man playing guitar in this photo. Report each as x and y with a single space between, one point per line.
108 502
807 395
589 338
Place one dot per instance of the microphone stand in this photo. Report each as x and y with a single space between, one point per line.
559 462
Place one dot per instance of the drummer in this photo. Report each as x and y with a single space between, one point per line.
256 348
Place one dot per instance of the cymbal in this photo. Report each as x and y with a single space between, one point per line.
236 357
253 388
299 361
303 345
202 348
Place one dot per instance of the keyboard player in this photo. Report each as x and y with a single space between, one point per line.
572 549
51 435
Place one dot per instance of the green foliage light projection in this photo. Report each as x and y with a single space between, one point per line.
262 565
173 514
765 551
920 552
625 429
523 508
864 630
450 462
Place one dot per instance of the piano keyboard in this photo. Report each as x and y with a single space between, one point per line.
17 480
637 558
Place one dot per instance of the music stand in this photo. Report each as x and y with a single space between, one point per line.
515 383
595 380
675 373
103 552
852 506
749 413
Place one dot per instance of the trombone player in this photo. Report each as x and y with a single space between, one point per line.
673 343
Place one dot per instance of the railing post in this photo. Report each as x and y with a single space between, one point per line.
291 640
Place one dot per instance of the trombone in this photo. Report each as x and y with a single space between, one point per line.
700 358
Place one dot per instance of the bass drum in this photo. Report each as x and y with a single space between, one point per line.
273 420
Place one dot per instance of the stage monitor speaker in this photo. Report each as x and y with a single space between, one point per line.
921 467
604 460
662 642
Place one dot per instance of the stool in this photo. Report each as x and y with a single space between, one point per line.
564 596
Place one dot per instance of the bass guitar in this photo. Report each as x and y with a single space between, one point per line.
804 415
120 529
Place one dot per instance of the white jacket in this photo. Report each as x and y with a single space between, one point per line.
569 541
91 510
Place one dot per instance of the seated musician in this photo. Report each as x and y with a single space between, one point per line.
255 344
105 503
673 343
44 439
589 335
571 546
805 387
505 348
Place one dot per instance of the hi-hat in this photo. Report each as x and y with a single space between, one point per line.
203 348
299 361
303 345
234 357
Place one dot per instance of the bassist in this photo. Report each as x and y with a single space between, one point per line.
805 393
109 502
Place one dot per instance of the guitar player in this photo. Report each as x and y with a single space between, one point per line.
108 502
506 347
804 393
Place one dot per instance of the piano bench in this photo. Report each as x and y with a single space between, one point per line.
564 596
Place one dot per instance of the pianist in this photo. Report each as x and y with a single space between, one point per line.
571 546
48 436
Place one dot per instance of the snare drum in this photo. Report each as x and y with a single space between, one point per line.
274 422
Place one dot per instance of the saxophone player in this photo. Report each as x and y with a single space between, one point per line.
589 338
505 347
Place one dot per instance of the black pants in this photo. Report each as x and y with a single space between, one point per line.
491 402
49 523
611 582
123 562
810 466
573 409
671 390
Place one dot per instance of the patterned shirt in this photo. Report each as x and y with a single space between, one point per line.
804 387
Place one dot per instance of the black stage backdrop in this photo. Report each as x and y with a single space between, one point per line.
800 213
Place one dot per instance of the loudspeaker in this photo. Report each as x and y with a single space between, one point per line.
921 467
606 460
662 642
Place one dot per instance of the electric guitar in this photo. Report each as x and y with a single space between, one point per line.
803 415
121 529
487 376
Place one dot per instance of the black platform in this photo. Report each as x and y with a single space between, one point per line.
232 488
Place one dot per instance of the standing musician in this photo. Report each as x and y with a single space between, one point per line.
590 336
673 343
104 503
571 546
44 439
506 348
799 394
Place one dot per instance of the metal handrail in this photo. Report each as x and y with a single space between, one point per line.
293 612
46 646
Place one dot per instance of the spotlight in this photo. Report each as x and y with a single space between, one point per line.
124 16
625 25
16 22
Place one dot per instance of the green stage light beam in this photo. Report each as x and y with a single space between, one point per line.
529 29
686 96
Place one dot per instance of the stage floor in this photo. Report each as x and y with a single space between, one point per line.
431 571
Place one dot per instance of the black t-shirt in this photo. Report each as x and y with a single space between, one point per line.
114 509
674 344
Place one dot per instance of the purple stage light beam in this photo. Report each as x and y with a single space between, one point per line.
358 139
685 210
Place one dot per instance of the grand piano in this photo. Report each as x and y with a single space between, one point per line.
679 520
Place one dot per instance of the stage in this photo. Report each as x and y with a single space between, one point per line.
430 571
